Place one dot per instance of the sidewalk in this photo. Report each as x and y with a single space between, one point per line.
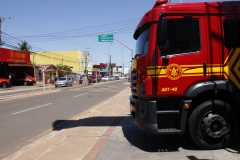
80 137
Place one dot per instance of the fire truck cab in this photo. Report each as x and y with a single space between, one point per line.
185 76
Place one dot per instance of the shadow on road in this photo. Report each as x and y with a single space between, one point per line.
136 137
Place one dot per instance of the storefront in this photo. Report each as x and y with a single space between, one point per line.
16 63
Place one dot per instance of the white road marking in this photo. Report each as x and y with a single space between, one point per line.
31 108
79 95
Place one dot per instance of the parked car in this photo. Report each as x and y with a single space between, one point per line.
63 82
4 82
116 77
105 78
121 77
95 79
111 78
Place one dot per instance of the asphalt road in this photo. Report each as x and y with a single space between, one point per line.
26 117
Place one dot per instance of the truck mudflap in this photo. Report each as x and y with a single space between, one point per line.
143 114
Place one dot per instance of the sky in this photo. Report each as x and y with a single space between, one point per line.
62 25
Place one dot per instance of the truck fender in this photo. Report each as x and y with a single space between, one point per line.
198 88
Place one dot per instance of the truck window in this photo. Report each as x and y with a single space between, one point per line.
142 43
232 33
183 36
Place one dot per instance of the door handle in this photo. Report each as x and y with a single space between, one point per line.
204 69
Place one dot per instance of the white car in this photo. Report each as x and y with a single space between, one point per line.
105 78
121 77
111 78
63 82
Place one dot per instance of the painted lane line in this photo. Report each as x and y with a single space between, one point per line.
79 95
31 109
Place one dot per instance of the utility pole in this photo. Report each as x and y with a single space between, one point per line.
109 63
1 20
85 71
110 66
87 58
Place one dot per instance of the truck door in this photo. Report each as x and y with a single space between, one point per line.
215 53
184 62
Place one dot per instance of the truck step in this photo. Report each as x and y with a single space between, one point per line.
168 112
170 131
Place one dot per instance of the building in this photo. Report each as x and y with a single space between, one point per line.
76 59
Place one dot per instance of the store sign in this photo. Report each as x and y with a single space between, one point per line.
8 55
113 64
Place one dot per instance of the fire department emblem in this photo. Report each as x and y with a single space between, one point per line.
174 71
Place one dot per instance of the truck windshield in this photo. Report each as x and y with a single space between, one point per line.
142 43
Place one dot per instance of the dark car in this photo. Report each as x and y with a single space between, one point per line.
95 79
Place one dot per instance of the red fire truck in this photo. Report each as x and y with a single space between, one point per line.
185 75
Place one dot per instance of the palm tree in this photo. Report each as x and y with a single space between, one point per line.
24 47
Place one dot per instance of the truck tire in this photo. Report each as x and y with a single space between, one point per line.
213 125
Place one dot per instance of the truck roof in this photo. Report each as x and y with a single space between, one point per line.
217 7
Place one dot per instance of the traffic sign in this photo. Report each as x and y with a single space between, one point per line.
43 68
105 38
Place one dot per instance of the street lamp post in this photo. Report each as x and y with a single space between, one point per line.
122 63
125 46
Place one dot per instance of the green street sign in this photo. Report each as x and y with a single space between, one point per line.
105 38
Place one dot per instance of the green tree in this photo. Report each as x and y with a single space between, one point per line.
23 46
64 67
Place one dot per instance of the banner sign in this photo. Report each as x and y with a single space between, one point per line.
8 55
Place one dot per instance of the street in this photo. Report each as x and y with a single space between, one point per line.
66 123
23 119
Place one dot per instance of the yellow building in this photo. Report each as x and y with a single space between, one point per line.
76 59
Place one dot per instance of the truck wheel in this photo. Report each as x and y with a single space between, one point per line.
212 125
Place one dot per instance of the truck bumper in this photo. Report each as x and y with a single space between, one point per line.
143 114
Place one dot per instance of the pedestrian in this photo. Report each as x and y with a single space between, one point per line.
10 79
55 78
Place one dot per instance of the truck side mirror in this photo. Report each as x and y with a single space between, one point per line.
162 30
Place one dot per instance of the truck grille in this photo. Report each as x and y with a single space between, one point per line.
133 82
